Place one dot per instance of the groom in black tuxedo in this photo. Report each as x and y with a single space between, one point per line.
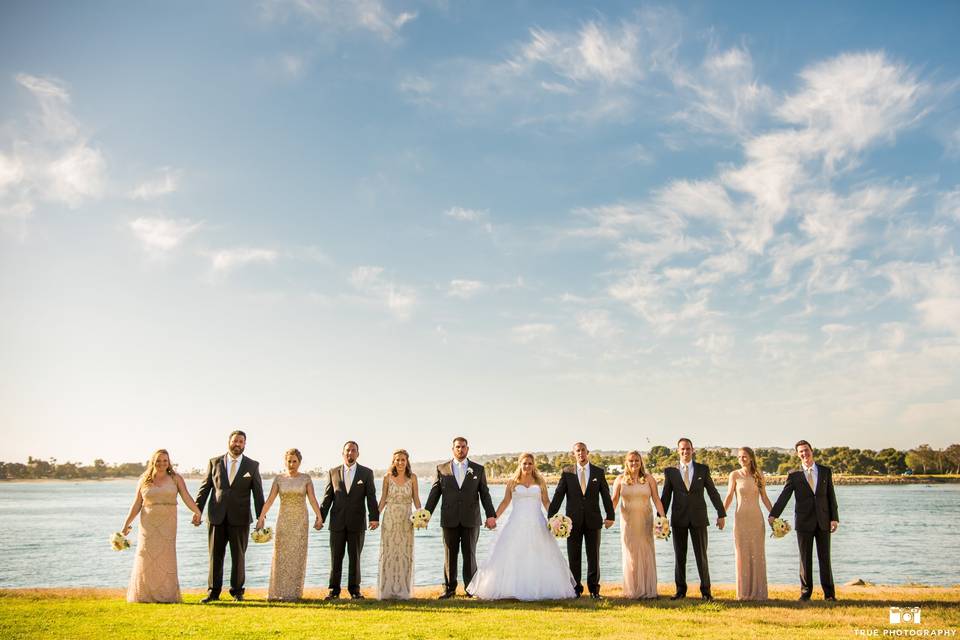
816 517
584 485
463 486
231 480
684 486
349 494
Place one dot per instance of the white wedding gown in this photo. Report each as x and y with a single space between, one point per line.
525 561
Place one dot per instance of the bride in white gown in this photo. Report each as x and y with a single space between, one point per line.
525 561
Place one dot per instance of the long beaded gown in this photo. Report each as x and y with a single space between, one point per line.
289 566
636 537
749 536
396 543
154 574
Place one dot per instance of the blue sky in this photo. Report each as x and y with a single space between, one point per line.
527 223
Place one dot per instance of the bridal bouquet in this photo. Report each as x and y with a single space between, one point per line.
420 518
560 526
119 542
661 528
780 528
262 535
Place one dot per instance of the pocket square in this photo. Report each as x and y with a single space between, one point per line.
594 480
359 481
246 475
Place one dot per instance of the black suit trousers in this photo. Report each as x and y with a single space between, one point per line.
351 543
806 540
575 544
698 535
459 540
218 537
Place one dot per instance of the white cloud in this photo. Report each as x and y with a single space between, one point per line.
166 182
465 289
948 203
527 333
398 299
50 159
372 16
476 216
595 53
160 235
224 261
596 323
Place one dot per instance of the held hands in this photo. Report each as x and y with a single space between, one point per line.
197 519
318 523
833 526
607 524
491 523
374 524
770 520
260 523
720 523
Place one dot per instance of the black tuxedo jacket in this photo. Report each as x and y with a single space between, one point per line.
583 507
230 503
461 505
811 510
349 510
689 506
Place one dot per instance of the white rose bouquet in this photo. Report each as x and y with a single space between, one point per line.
661 528
560 526
780 528
262 535
420 518
119 542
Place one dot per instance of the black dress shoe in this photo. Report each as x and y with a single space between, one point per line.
238 597
596 596
831 598
678 596
707 597
209 599
357 596
446 594
804 598
468 595
333 595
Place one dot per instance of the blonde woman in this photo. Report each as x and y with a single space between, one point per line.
400 492
154 574
633 490
525 561
289 565
749 529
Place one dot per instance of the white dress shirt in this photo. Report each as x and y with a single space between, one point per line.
585 469
348 476
686 473
816 474
460 471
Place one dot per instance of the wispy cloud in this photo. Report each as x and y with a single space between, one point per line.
225 261
398 299
167 181
465 289
478 217
160 235
373 16
527 333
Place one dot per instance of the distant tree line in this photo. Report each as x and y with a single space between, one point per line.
37 469
843 460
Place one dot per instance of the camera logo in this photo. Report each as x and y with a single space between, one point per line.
900 615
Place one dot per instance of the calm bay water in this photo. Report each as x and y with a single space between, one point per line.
55 534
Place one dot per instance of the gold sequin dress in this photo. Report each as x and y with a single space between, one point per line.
396 543
749 537
289 566
154 574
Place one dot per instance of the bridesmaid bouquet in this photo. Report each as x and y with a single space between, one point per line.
119 542
262 535
560 526
661 528
780 528
420 518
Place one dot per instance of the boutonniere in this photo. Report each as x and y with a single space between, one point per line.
469 471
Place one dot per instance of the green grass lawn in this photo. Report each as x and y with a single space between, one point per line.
101 613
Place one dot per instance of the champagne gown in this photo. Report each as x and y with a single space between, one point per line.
289 566
749 536
395 580
154 574
636 537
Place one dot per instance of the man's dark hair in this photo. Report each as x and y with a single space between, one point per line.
350 442
461 439
237 432
801 442
687 440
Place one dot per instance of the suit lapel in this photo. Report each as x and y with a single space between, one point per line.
683 485
224 471
353 480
